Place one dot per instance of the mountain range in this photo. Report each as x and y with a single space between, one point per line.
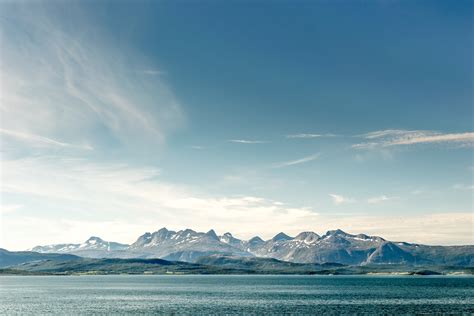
335 246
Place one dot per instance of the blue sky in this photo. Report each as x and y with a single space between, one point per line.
251 117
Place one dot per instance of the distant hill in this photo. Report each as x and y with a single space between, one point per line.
214 264
334 246
10 258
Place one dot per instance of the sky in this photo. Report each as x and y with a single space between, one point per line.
254 117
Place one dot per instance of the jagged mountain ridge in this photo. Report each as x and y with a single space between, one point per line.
335 246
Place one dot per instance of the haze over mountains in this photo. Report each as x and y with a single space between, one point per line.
335 246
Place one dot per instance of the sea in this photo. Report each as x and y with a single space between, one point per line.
235 295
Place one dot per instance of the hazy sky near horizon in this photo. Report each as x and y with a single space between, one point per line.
121 117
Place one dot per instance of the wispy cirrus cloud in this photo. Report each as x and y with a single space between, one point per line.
297 161
380 199
78 87
40 141
339 199
463 187
392 137
304 135
247 141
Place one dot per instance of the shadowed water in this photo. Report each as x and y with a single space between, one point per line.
218 294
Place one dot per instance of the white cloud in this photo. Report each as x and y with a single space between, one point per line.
388 138
296 162
467 138
379 199
447 228
76 86
81 190
392 133
303 135
463 187
247 141
120 202
339 199
37 140
9 208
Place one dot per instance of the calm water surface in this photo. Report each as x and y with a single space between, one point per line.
201 294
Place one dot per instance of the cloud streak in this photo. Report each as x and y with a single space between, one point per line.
339 199
247 141
379 199
303 135
296 162
41 141
389 138
463 187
